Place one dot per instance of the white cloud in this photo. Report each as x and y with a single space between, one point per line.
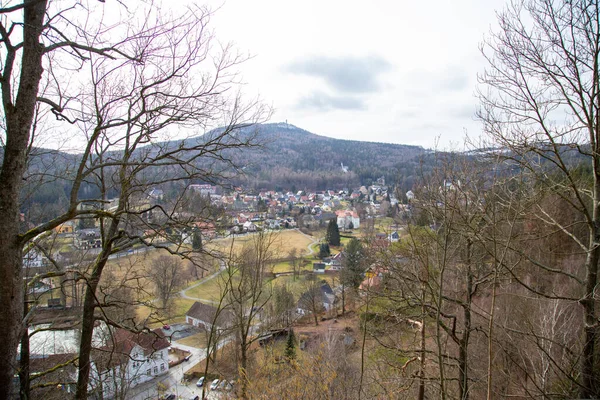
383 71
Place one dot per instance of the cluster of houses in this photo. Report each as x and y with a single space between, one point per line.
251 211
279 209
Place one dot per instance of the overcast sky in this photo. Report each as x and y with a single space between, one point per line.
385 71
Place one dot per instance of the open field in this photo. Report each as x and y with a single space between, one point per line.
286 266
198 340
300 284
382 224
209 290
282 243
180 307
134 266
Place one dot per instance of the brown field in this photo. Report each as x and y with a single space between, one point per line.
198 340
130 270
283 242
180 307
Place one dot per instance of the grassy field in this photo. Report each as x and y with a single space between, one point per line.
180 307
134 266
282 243
286 266
209 290
299 285
198 340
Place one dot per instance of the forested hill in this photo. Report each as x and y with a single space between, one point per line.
289 158
294 157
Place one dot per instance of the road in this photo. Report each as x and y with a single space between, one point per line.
172 380
314 241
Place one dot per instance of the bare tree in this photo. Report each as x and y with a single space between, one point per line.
295 261
312 298
165 273
123 92
249 293
436 280
221 326
540 106
283 306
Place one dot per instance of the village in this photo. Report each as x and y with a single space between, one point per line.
169 356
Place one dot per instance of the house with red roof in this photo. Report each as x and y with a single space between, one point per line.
347 219
126 360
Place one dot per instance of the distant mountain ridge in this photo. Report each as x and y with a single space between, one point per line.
292 156
289 158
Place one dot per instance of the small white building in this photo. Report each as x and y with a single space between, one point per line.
205 315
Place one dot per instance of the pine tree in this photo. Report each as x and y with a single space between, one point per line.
290 346
354 264
324 250
333 233
196 240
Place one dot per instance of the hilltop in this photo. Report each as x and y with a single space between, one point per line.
290 156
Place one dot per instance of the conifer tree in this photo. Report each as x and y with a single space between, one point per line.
333 233
354 264
196 240
290 346
324 250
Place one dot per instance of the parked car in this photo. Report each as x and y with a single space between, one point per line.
200 382
214 385
195 398
166 327
170 397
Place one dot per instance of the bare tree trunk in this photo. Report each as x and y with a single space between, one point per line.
18 119
24 380
463 344
423 348
244 368
89 307
362 351
491 334
590 384
87 330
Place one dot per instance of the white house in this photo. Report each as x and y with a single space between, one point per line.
34 259
347 219
248 226
336 261
205 315
127 360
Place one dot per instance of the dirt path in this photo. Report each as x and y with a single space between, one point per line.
184 295
314 241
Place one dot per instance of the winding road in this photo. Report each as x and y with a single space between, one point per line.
183 293
172 379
